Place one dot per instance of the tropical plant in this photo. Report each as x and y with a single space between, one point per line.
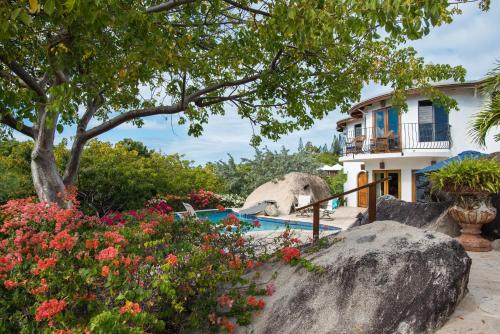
111 177
95 65
468 176
489 118
266 166
336 182
135 272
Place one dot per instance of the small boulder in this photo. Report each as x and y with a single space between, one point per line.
384 277
496 245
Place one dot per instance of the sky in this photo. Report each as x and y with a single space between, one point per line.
471 40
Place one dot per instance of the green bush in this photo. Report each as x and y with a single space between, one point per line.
468 176
336 183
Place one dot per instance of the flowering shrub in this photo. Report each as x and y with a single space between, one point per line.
131 272
202 199
231 200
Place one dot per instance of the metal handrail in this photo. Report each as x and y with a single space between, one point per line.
372 205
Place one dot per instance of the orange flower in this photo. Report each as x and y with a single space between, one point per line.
290 253
130 307
42 288
46 263
171 259
107 254
252 301
49 308
220 207
105 271
91 244
63 241
228 325
236 263
9 284
225 300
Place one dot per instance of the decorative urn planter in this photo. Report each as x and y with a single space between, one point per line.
473 211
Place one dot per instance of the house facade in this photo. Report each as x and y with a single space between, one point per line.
378 141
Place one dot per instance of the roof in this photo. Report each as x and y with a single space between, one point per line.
356 110
459 157
336 167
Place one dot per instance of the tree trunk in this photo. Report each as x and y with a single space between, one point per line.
48 183
46 179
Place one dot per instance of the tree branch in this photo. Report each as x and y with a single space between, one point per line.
10 121
248 9
166 6
28 79
128 116
223 84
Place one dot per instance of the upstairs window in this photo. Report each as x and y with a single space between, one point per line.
358 131
432 122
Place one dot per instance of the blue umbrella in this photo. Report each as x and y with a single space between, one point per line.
459 157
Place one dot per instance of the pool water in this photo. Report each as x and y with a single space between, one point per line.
266 224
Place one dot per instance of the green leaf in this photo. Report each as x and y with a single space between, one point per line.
25 18
49 7
69 5
60 128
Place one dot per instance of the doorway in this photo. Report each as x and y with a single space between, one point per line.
389 187
363 193
386 130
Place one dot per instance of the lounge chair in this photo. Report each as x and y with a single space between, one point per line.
332 205
189 210
302 201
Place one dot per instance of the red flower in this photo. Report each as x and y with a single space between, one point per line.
63 241
220 208
107 254
236 263
171 259
224 301
130 307
228 325
46 263
42 288
252 301
256 223
49 308
105 271
270 289
9 284
91 244
290 253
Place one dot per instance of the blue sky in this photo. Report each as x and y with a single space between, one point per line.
472 40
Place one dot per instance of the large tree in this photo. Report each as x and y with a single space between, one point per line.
96 64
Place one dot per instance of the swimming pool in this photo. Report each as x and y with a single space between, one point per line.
266 223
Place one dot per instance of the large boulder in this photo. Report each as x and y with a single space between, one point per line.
384 277
286 190
428 215
417 214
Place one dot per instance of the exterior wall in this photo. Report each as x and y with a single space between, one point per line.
352 169
469 103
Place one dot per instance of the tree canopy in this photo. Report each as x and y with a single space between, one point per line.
96 64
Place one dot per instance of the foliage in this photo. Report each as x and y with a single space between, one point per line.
231 200
489 118
468 176
142 272
283 66
266 166
336 182
111 177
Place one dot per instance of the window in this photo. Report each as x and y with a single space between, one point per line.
357 130
432 122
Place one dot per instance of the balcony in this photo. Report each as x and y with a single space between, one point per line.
412 136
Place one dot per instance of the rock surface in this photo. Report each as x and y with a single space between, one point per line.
285 191
380 278
496 246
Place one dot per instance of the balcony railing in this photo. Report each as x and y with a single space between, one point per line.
409 136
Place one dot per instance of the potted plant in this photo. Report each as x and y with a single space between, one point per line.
471 182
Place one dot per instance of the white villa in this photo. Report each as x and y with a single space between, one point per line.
379 142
